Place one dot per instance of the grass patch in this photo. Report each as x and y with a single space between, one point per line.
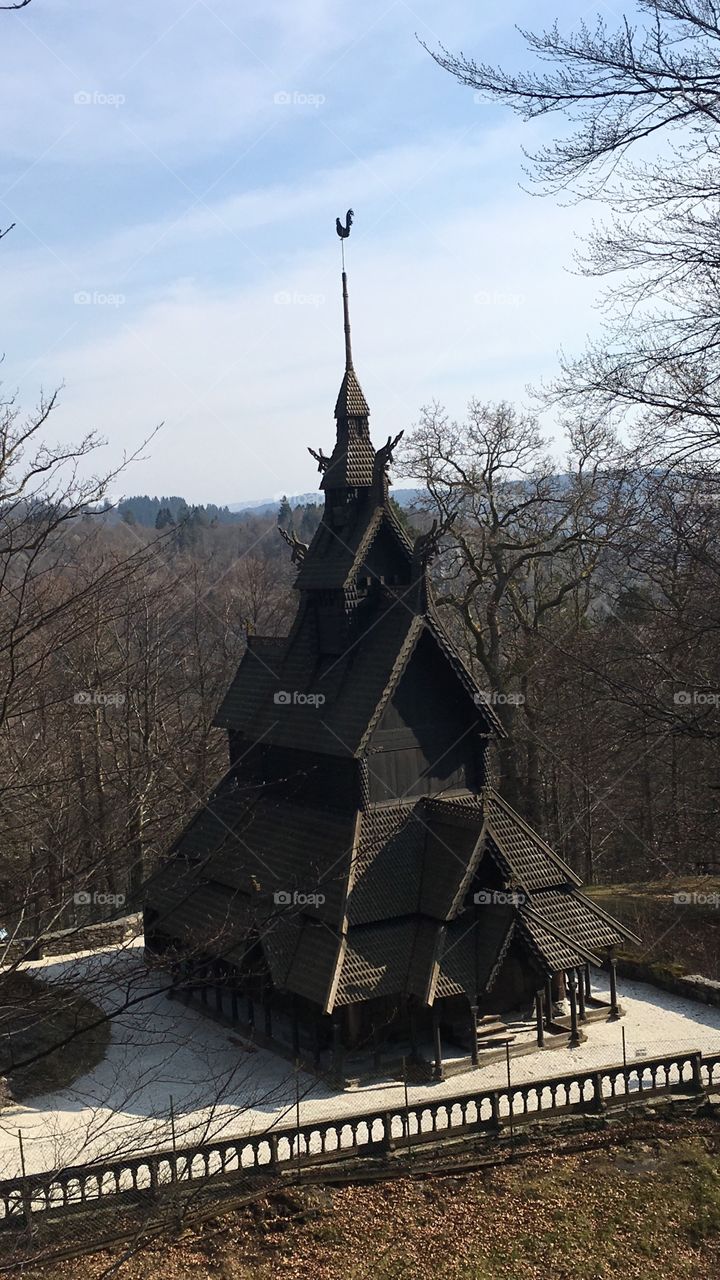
47 1038
655 888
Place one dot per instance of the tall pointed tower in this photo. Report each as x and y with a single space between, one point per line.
352 881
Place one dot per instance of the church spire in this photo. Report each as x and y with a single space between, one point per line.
351 464
351 402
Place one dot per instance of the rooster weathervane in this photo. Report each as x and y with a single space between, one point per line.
344 231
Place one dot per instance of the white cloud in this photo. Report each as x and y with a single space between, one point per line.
245 380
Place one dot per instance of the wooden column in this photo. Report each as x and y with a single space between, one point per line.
588 991
539 1001
338 1052
614 1010
473 1034
581 994
572 993
548 1004
412 1021
376 1047
437 1043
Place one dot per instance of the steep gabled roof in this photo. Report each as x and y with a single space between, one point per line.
394 957
473 953
333 562
579 918
302 956
355 686
523 857
552 946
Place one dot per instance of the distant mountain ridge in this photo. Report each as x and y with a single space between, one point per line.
263 506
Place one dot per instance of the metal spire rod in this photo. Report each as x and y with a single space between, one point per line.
346 323
343 231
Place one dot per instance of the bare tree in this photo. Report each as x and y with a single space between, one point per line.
643 106
524 552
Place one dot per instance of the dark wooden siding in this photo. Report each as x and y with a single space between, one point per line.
298 775
429 738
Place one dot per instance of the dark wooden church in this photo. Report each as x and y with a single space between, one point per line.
353 883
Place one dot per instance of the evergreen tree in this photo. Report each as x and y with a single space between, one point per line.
285 515
164 518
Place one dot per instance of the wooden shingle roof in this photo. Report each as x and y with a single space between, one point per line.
351 402
473 952
394 957
523 857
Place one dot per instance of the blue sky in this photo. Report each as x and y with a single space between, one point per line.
175 170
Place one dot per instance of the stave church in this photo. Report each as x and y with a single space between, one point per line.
355 891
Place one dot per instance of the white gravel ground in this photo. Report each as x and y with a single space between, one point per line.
162 1050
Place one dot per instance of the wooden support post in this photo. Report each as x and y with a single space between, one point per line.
614 1008
548 1004
539 1021
473 1034
376 1047
581 995
412 1021
437 1044
588 989
572 992
338 1052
